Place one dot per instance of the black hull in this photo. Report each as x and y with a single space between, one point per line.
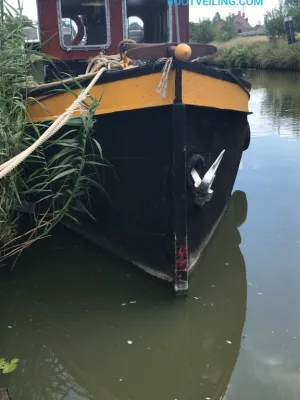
149 216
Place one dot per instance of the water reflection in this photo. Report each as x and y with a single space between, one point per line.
275 103
75 311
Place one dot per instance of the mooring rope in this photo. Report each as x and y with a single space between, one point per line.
103 62
112 62
163 83
8 166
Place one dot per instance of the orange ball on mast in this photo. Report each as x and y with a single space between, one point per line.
183 52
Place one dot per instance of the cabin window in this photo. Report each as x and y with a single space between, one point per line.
83 24
136 29
155 17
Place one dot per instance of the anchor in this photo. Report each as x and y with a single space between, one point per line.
203 190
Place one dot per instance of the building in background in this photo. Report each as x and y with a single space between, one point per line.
241 23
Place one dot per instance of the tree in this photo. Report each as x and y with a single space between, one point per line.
202 32
293 10
216 18
21 17
227 29
292 3
274 22
24 19
192 31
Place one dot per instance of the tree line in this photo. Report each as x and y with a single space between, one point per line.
274 19
223 29
206 30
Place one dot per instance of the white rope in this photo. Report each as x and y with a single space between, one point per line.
8 166
163 84
104 63
97 66
112 62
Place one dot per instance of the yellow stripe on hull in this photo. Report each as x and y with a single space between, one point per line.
140 92
205 91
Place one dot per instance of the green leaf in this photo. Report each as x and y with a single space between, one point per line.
61 175
98 146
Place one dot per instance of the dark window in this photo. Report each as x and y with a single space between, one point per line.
155 17
83 23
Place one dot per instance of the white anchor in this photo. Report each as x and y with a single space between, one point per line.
203 186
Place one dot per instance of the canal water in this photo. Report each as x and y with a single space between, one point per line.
88 326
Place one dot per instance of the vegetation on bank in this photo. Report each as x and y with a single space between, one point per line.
206 30
267 52
223 29
56 181
260 55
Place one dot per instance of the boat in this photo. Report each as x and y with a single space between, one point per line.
173 127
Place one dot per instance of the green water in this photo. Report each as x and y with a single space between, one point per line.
88 326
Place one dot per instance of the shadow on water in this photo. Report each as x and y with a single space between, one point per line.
70 313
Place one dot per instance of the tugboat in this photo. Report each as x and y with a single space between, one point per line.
173 128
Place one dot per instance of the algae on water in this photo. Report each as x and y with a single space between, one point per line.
6 367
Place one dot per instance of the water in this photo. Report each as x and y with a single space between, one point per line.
88 326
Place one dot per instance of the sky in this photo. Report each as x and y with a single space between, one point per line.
254 13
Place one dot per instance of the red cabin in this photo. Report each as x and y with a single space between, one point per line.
79 29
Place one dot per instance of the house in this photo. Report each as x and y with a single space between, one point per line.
241 23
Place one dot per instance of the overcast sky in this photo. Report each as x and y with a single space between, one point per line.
254 13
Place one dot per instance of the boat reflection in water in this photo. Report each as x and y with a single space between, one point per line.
128 339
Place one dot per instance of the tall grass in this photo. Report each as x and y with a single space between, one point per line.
279 56
14 62
57 179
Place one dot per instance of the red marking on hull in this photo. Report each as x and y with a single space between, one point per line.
181 262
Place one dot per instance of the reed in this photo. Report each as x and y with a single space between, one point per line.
59 177
14 61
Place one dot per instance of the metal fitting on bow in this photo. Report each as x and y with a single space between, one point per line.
203 186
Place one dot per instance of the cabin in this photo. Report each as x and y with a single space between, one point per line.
76 30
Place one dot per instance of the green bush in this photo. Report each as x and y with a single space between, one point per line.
263 55
202 32
227 30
